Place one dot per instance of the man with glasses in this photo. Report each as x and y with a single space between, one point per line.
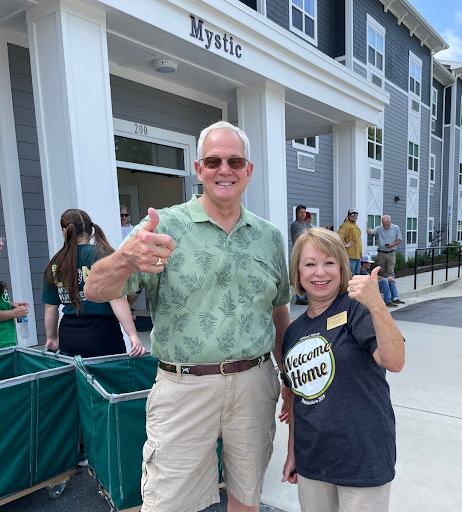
351 235
219 289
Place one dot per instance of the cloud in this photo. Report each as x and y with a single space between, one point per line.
455 46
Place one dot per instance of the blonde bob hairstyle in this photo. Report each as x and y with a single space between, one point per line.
326 241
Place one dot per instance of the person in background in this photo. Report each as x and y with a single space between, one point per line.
387 286
86 329
308 224
351 235
298 226
388 237
342 441
9 311
125 221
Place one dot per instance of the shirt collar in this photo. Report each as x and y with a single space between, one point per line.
198 214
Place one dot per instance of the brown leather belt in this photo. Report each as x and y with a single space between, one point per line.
225 368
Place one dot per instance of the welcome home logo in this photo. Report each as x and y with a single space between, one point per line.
310 366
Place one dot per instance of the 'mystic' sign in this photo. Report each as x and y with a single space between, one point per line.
221 42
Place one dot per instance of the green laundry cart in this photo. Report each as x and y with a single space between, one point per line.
39 429
112 393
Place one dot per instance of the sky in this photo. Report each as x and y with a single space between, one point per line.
445 16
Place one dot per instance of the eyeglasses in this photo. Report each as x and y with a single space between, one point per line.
234 162
125 215
2 240
353 214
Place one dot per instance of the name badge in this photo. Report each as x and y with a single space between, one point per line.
336 320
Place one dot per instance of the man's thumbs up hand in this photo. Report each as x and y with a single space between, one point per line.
147 250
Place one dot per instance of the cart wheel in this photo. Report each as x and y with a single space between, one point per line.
55 492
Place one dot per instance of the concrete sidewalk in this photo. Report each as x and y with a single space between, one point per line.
428 406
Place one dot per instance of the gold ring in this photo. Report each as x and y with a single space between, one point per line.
159 263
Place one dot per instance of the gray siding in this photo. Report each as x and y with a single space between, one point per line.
439 110
395 149
313 189
142 104
360 70
4 261
30 174
444 217
397 45
455 196
422 237
435 198
278 11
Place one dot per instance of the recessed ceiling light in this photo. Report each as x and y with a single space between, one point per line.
164 65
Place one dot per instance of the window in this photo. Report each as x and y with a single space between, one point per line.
432 168
372 222
415 77
413 158
460 174
434 103
431 223
314 215
411 231
374 143
375 48
459 230
303 18
310 144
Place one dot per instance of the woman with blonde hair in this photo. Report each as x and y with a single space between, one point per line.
87 328
335 355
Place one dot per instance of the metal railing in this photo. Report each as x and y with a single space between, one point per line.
448 249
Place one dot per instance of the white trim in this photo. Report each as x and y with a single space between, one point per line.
13 207
440 139
434 116
432 221
312 40
163 85
298 161
371 68
155 135
16 38
413 58
397 87
307 149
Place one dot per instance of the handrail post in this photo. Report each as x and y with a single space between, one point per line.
433 262
415 270
447 262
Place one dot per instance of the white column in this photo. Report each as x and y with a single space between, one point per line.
350 174
261 114
13 210
70 75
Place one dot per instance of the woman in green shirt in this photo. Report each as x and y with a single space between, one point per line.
87 328
9 311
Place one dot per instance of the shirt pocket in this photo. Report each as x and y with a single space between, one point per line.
263 279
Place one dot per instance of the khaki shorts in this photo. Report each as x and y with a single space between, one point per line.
317 496
185 415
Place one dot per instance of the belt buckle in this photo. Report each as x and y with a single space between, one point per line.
221 369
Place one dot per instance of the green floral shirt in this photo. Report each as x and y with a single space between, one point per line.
214 299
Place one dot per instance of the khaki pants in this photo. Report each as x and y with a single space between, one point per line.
185 415
386 262
317 496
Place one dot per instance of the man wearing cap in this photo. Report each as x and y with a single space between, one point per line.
297 227
219 288
388 237
387 286
351 235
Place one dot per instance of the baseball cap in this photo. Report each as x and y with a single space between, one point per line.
366 259
352 210
308 214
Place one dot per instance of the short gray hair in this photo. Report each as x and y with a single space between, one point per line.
222 125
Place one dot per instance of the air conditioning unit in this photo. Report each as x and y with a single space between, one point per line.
431 190
433 125
306 162
375 173
415 105
413 182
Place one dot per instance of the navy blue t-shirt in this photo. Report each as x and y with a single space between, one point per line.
344 428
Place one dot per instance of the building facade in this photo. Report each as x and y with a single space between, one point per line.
102 102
